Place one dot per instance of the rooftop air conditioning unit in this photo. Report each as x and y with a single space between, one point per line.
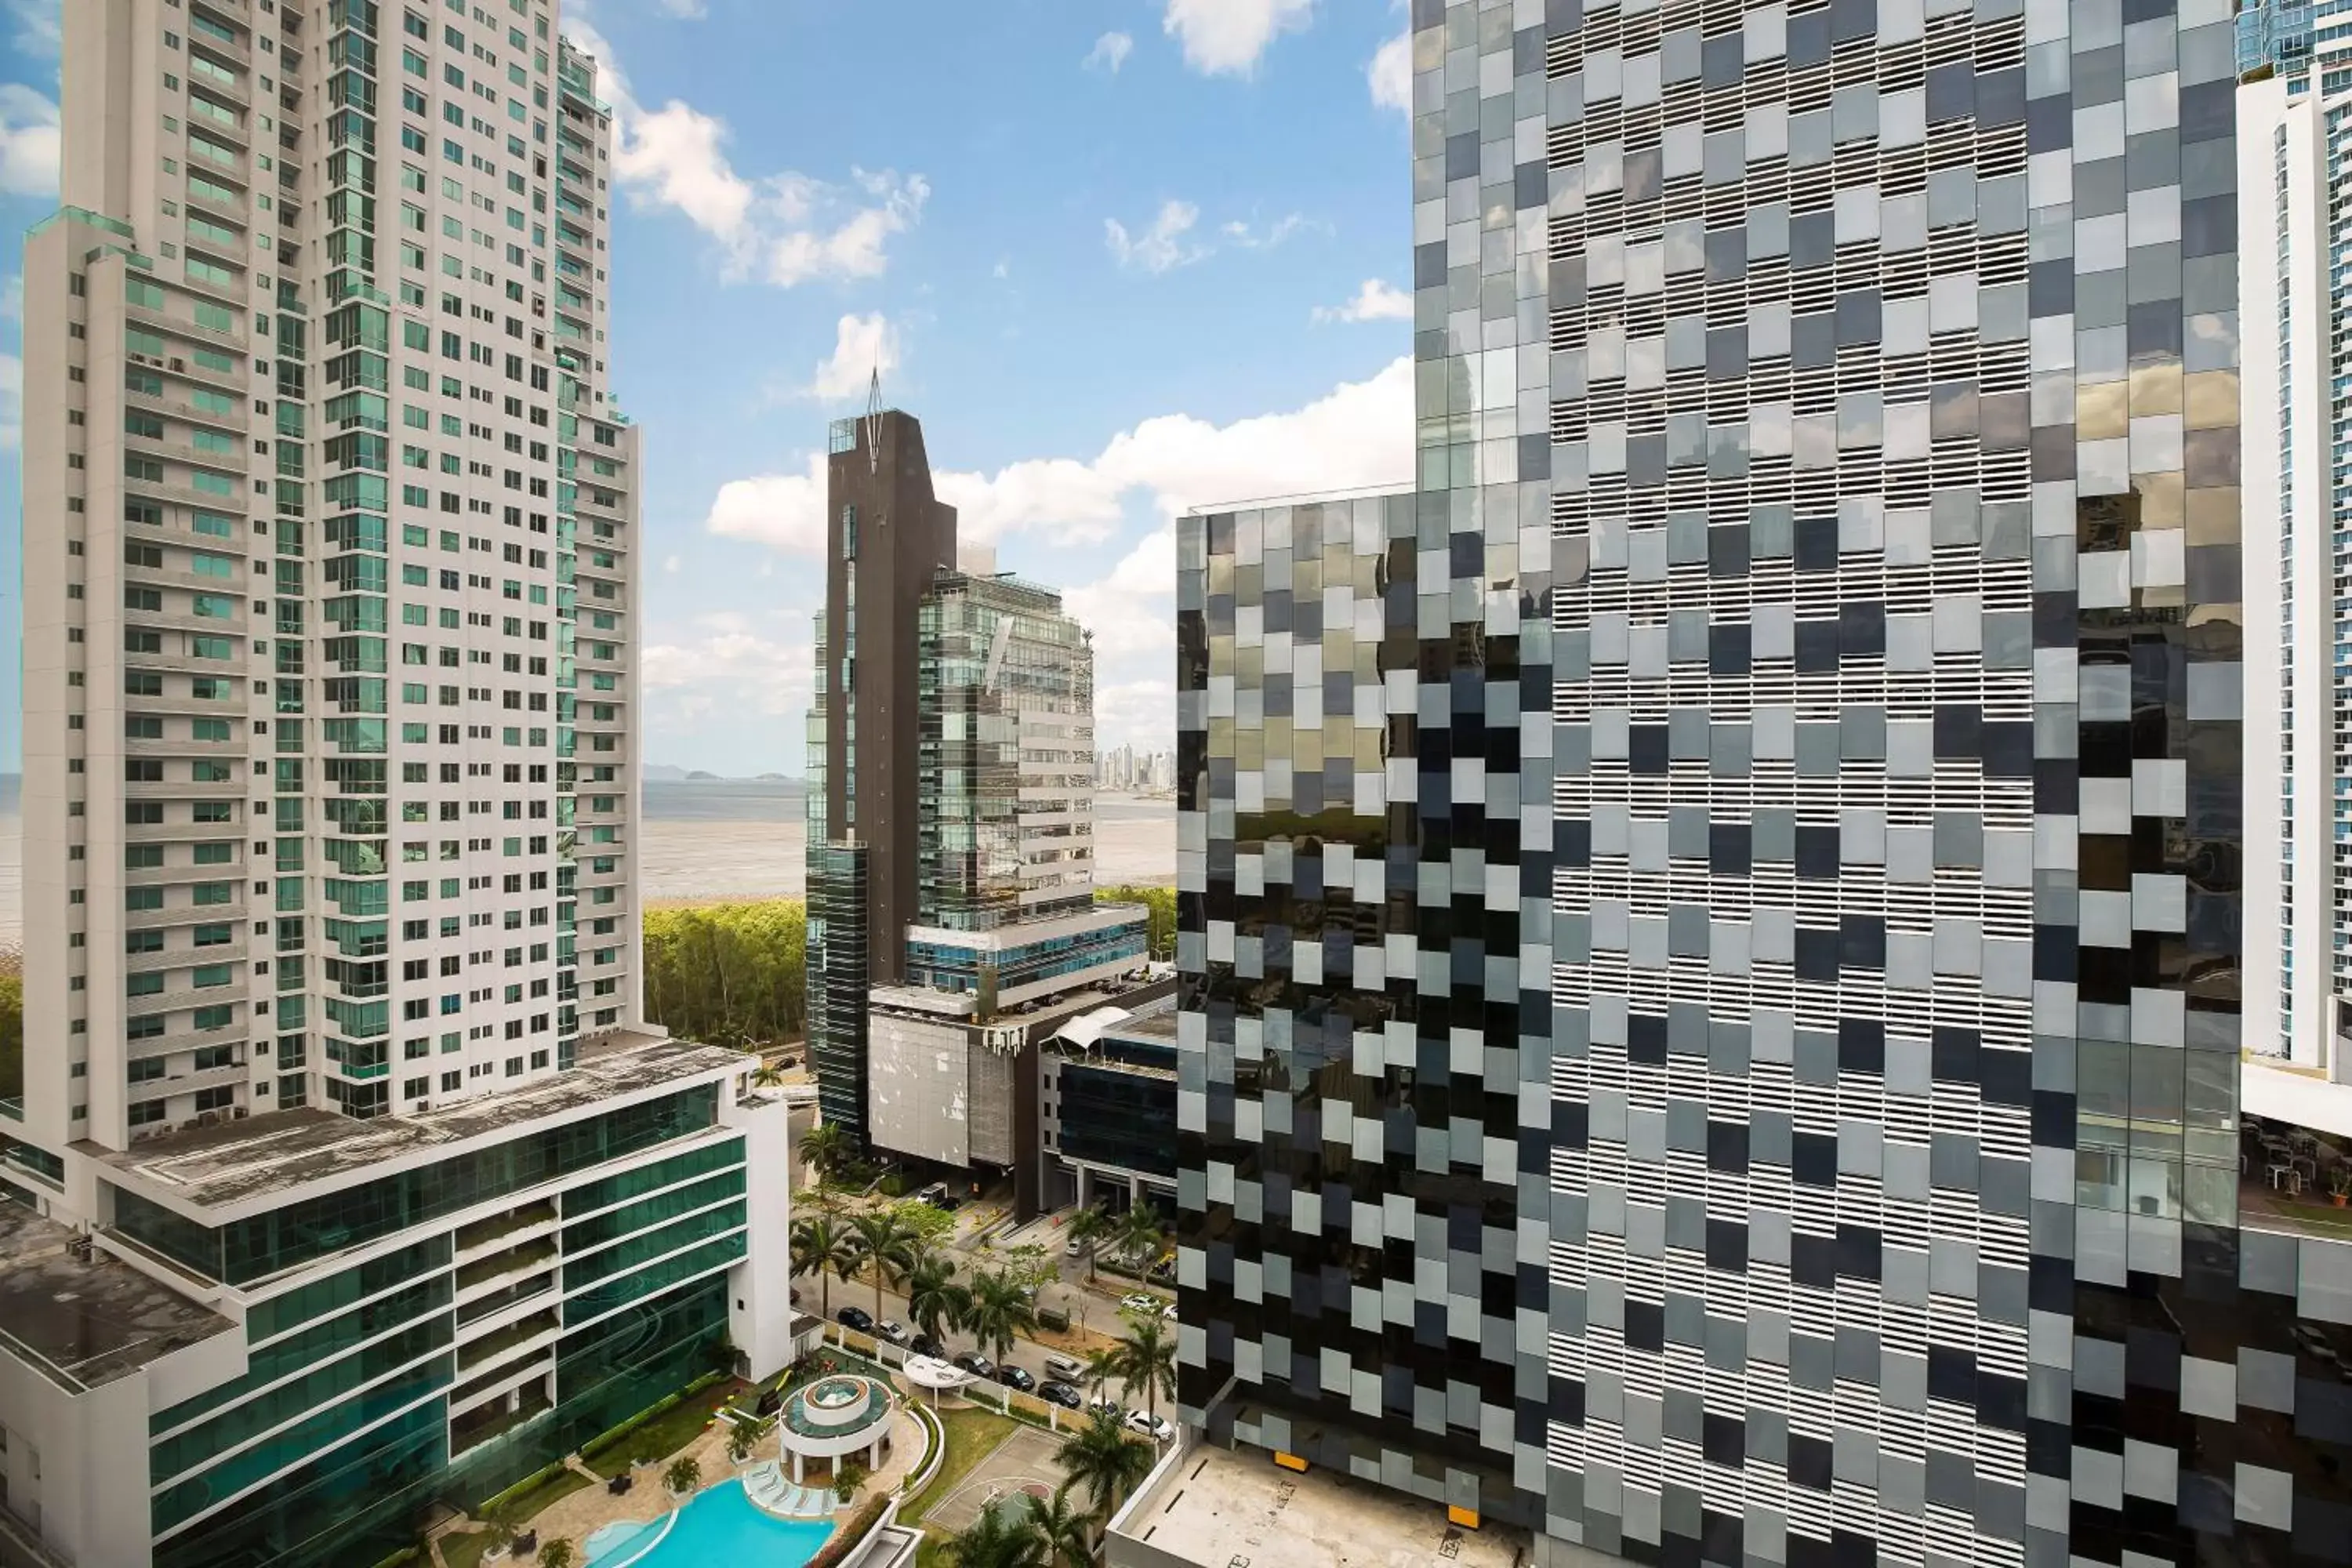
208 1119
239 1113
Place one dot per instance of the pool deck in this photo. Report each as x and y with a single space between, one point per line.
577 1517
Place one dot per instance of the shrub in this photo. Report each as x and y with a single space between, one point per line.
848 1478
851 1536
683 1476
894 1186
556 1554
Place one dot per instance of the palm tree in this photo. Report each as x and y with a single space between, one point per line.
999 1312
933 1296
768 1075
1103 1459
1147 1359
821 1244
1067 1534
883 1244
557 1553
1102 1365
826 1146
1141 1234
999 1538
1088 1227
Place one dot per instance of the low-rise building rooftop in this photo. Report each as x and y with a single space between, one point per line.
79 1318
268 1155
1219 1507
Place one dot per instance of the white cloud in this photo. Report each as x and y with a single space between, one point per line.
784 228
1391 74
685 10
1375 302
1003 267
11 298
862 345
726 665
783 511
1358 435
1139 712
40 28
1076 501
1163 246
1130 611
1227 37
1250 237
30 142
670 563
1110 53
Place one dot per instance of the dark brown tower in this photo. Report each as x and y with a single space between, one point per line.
887 537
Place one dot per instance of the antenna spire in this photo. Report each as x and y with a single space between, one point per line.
873 420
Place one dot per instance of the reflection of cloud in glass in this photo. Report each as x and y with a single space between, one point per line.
2214 328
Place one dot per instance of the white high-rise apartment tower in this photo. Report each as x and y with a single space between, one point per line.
332 542
332 969
2295 239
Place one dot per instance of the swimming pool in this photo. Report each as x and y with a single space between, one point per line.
718 1526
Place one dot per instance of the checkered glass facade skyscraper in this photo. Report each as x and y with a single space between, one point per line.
1710 930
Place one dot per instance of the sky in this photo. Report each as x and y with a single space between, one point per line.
1121 258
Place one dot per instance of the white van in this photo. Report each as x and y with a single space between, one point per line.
1069 1369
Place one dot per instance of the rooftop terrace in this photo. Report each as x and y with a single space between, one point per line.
1215 1507
84 1324
267 1155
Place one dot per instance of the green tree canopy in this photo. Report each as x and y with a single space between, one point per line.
1102 1459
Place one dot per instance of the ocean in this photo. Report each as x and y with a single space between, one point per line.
727 838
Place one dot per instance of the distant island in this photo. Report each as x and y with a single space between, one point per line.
666 774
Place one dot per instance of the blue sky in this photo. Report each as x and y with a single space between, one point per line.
1121 258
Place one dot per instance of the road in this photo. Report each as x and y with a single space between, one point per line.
1086 1310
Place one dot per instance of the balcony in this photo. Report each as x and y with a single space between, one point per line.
183 957
185 1040
144 316
194 582
183 997
499 1344
183 789
485 1233
176 832
238 501
483 1271
190 1082
233 420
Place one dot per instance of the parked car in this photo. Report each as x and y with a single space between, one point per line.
949 1203
1155 1428
932 1193
891 1328
1018 1377
975 1364
923 1344
1074 1248
1140 1301
1103 1405
856 1318
1169 1311
1063 1395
